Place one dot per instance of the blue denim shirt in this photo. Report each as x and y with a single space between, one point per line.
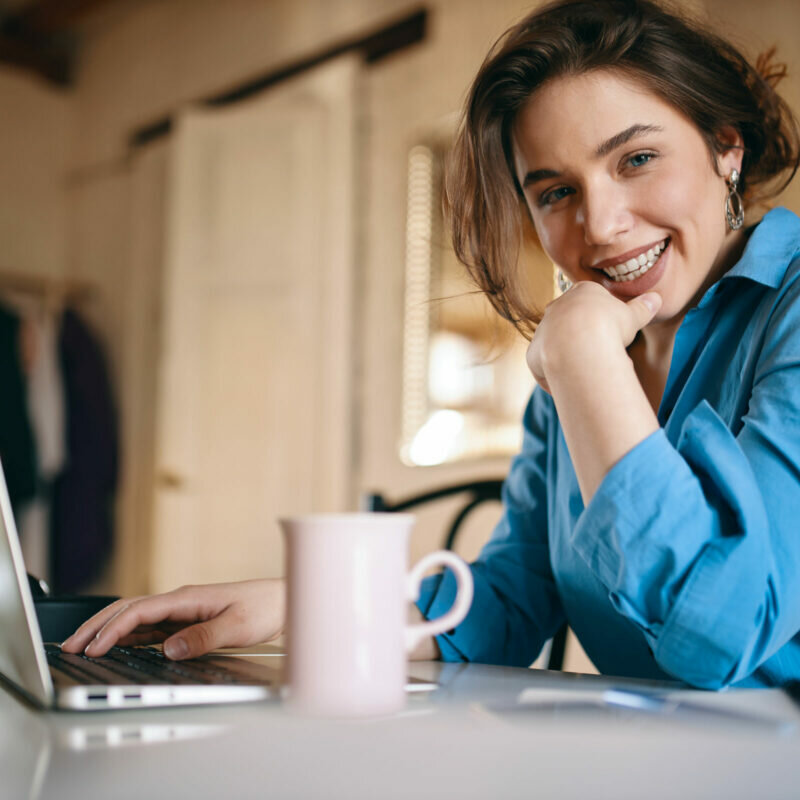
686 562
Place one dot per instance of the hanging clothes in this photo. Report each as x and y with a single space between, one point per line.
46 396
82 501
17 447
46 410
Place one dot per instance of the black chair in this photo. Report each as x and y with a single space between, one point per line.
477 493
61 615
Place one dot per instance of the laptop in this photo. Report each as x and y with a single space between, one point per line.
127 677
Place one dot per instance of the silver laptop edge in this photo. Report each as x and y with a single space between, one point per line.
22 658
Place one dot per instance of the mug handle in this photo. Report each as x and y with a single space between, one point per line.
464 589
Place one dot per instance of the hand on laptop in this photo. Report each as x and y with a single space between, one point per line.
190 621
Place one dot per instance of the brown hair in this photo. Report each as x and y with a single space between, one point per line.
693 69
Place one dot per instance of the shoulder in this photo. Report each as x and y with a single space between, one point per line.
788 291
782 225
779 320
771 257
776 244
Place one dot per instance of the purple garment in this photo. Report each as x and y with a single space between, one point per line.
82 509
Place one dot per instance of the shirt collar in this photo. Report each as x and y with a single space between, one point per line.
771 248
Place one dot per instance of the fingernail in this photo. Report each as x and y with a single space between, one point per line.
176 649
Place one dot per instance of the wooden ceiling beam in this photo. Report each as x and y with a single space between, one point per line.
48 17
39 37
52 64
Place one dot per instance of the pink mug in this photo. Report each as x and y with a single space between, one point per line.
348 594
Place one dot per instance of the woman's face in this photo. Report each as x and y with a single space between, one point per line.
622 189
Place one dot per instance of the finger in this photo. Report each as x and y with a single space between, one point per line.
151 637
642 309
179 606
149 634
89 629
166 627
224 630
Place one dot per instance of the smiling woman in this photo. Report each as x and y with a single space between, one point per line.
649 505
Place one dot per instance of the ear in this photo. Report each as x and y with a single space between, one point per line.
731 156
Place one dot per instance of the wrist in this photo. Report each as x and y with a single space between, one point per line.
582 355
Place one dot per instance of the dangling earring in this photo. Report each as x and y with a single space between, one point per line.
564 283
734 209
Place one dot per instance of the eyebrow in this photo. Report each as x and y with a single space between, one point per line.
608 146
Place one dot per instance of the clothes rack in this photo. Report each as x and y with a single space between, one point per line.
55 291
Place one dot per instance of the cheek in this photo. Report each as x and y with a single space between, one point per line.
688 195
673 197
553 238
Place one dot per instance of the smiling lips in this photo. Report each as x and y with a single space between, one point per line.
636 266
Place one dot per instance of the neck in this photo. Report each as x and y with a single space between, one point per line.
730 252
651 351
657 340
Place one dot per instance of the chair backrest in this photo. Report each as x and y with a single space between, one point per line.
476 493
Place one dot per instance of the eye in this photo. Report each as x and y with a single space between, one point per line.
639 159
552 196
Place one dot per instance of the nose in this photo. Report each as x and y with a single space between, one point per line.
603 213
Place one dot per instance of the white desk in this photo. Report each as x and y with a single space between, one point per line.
447 744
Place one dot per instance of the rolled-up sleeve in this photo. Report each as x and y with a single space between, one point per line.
516 607
698 541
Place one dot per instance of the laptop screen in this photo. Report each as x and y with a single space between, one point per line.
22 659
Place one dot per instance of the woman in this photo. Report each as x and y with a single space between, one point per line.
653 505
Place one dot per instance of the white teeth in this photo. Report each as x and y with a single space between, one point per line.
636 267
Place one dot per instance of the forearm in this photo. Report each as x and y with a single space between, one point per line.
602 409
699 578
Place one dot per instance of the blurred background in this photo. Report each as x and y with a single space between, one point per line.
225 291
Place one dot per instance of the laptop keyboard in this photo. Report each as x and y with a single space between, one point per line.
140 665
